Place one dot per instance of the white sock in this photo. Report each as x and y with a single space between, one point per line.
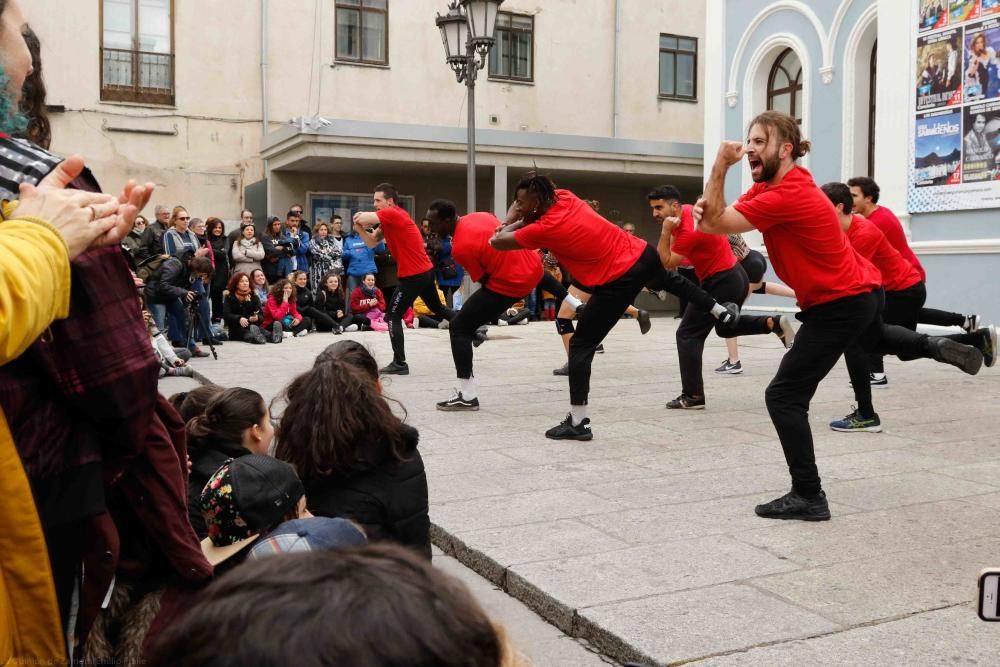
468 389
718 310
572 301
578 414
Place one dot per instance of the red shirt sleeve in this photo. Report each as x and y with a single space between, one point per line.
763 210
865 242
392 216
531 236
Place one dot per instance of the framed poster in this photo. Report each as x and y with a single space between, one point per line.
324 205
955 133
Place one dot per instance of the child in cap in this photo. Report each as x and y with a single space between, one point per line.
245 499
318 533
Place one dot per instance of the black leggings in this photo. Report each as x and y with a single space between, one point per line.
729 285
755 265
903 308
549 284
941 318
482 307
409 289
322 321
688 273
827 331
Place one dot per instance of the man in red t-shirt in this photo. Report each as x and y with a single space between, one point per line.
905 295
415 271
835 287
504 277
865 193
597 253
720 275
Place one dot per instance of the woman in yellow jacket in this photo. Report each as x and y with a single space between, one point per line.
39 235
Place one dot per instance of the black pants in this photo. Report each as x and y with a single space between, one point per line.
902 308
688 273
605 309
729 285
409 289
827 331
549 284
941 318
354 318
304 325
482 307
322 321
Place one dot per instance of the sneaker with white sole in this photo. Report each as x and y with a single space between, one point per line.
855 423
971 323
351 328
878 379
458 404
730 367
685 402
785 331
302 334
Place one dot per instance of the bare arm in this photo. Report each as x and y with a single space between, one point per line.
664 246
711 214
362 221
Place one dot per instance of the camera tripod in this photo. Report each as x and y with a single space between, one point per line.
195 324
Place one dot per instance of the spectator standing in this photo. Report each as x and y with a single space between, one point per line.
216 234
246 218
449 273
325 255
132 242
299 238
179 237
356 458
277 251
299 213
151 243
247 251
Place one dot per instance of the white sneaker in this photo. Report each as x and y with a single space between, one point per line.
416 322
351 328
286 334
302 334
523 322
503 323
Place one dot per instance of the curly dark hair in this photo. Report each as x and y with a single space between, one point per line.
541 186
33 93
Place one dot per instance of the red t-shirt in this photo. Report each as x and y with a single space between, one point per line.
595 251
405 241
512 273
808 249
892 228
867 239
709 253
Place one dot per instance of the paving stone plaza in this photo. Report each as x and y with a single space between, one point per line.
644 542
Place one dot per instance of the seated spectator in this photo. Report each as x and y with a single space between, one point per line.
248 252
243 313
258 280
424 316
367 300
355 457
280 312
245 499
191 404
168 289
449 273
516 314
235 423
173 361
330 300
305 301
315 533
377 606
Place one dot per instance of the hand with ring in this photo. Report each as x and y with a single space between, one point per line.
80 217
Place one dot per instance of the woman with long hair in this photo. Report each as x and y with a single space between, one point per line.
215 232
356 458
330 300
248 252
243 312
281 314
325 254
276 250
258 282
235 423
305 301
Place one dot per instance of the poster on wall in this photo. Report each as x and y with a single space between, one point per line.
955 141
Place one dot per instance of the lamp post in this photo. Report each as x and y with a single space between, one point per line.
467 33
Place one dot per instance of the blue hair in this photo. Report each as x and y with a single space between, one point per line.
12 121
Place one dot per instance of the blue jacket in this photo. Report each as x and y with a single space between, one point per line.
445 259
359 259
300 250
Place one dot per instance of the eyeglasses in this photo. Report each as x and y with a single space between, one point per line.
184 218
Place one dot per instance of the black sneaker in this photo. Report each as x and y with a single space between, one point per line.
458 404
730 367
644 323
965 357
855 423
878 379
580 309
395 369
600 349
793 506
562 370
480 337
988 345
971 323
685 402
566 431
784 330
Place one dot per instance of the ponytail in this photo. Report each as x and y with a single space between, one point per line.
225 418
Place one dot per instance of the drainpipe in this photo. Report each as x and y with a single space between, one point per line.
265 116
617 77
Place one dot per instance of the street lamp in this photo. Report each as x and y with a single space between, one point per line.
467 33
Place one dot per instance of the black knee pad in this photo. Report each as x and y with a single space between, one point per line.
564 326
762 289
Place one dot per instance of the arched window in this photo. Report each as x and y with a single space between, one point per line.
784 85
871 112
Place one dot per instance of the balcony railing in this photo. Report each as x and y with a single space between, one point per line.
137 76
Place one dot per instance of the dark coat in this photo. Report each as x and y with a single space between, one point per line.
169 281
330 303
220 256
386 496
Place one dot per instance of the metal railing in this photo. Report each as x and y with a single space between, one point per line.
137 76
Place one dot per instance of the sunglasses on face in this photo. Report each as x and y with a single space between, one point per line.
184 218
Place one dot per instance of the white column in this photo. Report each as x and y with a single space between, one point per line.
501 198
714 97
894 115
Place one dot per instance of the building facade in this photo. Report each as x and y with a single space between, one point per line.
848 69
227 103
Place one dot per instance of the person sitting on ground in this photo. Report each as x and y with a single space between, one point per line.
173 361
191 404
313 533
305 301
243 312
330 299
258 281
281 314
434 620
243 500
356 458
235 423
424 316
516 314
368 301
247 252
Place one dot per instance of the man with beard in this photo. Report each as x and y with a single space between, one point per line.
837 289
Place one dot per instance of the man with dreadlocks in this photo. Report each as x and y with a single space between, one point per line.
597 253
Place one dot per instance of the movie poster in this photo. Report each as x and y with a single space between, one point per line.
982 77
939 69
938 149
963 10
990 7
934 14
980 132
